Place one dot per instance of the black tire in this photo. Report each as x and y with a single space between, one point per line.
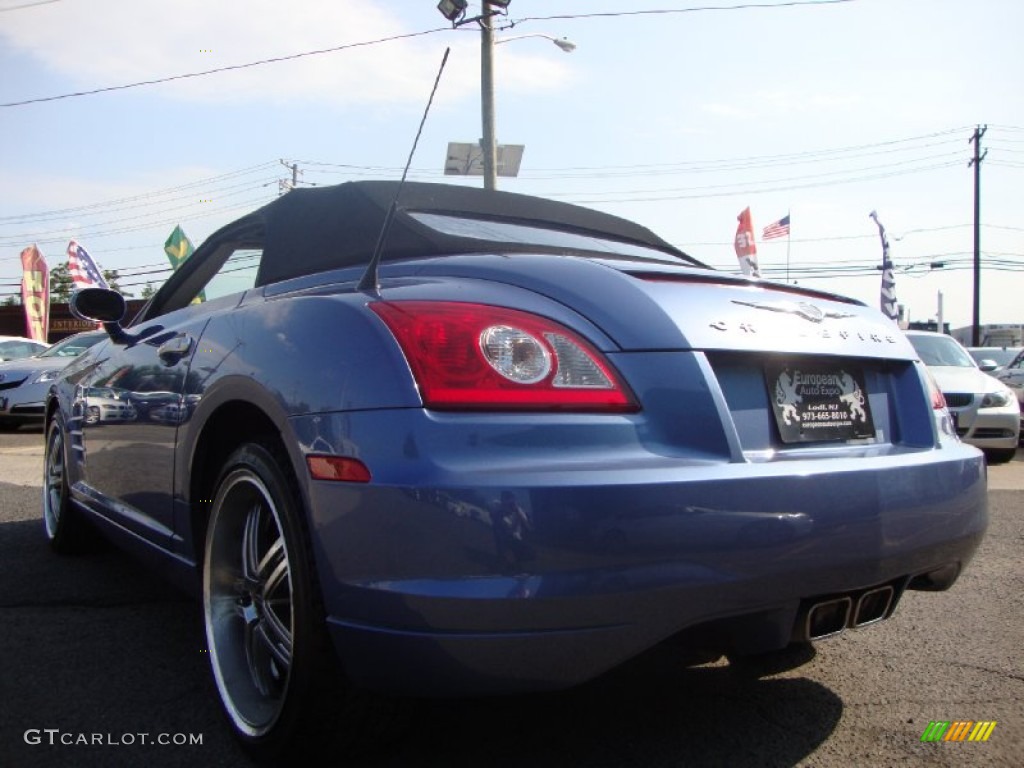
274 667
1002 456
66 529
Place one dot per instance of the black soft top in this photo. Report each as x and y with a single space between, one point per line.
312 230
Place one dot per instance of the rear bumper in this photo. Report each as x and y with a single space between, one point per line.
428 592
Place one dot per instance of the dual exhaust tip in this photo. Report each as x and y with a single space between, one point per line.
828 618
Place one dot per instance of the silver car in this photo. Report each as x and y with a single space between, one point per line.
986 412
1012 375
17 347
994 359
24 383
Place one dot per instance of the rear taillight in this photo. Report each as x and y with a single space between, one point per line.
475 356
938 399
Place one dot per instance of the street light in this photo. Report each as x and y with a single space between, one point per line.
454 11
563 43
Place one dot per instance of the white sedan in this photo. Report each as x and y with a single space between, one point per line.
17 347
985 411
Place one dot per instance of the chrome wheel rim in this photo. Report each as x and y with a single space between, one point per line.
247 595
53 480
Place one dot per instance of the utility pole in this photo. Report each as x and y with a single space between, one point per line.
979 131
283 185
488 144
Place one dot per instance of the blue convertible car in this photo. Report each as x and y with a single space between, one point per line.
438 440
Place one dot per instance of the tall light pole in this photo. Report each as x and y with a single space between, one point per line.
455 12
488 143
979 131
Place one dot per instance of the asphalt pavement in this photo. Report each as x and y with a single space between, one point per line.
102 654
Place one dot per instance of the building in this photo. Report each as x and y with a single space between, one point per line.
991 335
62 322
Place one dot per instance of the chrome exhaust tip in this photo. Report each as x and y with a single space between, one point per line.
872 606
828 618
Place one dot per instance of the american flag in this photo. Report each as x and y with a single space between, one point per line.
83 270
778 228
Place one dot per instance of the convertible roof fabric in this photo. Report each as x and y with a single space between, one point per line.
313 230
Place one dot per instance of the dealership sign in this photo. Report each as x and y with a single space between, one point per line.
819 403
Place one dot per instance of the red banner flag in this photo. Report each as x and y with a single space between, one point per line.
746 248
35 293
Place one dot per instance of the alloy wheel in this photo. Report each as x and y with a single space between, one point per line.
54 482
248 603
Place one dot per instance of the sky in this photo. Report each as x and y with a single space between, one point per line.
677 115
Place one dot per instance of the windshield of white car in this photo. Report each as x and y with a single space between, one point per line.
72 346
942 351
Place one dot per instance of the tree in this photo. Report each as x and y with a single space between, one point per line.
148 291
62 286
111 276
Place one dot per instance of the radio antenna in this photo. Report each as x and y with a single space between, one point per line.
370 280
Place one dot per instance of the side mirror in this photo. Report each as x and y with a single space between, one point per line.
99 304
988 365
102 305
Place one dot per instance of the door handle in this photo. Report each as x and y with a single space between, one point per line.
171 352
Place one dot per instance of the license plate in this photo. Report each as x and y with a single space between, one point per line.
814 402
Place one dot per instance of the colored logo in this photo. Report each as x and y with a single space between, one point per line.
958 730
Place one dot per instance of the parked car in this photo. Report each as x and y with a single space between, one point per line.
25 382
994 359
389 453
106 404
1012 375
985 411
17 347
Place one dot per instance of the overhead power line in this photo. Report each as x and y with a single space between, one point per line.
734 190
164 200
393 38
27 5
949 137
950 158
146 212
80 209
229 68
145 217
668 11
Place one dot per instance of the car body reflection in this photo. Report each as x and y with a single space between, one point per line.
107 404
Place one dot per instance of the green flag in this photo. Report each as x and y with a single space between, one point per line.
178 247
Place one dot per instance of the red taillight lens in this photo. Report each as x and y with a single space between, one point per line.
938 399
475 356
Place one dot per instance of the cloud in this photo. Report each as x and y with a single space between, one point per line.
778 103
727 110
103 43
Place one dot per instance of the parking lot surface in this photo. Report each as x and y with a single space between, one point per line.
98 648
